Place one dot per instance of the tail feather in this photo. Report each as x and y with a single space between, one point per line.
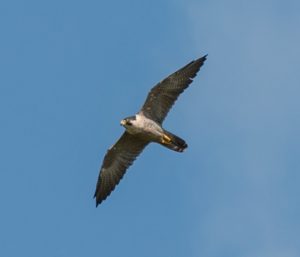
173 142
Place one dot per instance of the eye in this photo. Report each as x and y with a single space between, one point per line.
129 123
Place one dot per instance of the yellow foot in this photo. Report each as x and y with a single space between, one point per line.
166 139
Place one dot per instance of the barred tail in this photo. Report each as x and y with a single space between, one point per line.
173 142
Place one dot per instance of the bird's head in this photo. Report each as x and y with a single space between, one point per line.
127 122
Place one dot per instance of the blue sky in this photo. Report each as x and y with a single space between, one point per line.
71 70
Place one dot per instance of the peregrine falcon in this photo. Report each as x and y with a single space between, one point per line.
145 127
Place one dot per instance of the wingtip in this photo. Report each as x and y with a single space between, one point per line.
98 201
203 58
198 63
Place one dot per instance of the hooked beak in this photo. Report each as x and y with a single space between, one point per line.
123 122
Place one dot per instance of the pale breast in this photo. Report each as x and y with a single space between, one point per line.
146 127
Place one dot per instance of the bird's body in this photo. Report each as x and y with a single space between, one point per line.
145 127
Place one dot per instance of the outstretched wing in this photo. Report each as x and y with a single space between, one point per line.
162 97
116 161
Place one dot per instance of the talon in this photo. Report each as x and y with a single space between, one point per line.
166 140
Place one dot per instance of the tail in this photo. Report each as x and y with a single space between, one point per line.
173 142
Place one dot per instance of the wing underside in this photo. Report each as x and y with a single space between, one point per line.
116 161
162 96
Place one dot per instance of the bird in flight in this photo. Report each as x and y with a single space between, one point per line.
145 127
